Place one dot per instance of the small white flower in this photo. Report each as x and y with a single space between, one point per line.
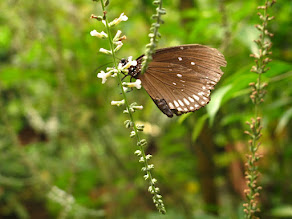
118 103
105 51
136 84
93 33
104 76
97 34
118 20
123 17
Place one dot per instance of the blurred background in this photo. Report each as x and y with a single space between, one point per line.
64 150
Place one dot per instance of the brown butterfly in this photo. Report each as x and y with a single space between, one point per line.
179 79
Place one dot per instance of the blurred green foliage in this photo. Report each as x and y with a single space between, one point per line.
60 138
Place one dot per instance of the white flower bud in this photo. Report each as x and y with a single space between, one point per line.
118 103
105 51
146 176
148 156
117 36
138 152
138 107
119 45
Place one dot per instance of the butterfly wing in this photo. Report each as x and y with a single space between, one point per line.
179 79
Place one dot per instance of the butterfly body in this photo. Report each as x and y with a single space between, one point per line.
179 79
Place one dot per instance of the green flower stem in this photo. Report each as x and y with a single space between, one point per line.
120 81
159 203
258 91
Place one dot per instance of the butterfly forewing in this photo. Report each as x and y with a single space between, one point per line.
180 78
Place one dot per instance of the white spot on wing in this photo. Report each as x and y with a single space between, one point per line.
181 48
176 104
196 97
191 99
174 83
191 108
179 58
171 105
185 109
202 102
186 101
200 93
179 109
180 102
203 87
196 105
192 63
179 75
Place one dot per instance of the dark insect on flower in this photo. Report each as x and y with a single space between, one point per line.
179 79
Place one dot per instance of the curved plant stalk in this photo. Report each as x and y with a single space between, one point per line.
115 44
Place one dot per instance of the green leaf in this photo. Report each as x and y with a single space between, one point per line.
198 127
286 117
282 211
213 106
183 117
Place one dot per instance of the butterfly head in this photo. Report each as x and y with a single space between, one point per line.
123 62
133 70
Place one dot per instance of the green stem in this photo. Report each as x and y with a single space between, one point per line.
127 103
150 48
121 86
